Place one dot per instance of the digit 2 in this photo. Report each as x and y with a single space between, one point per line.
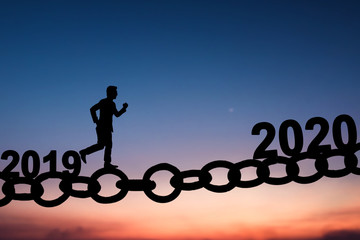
261 151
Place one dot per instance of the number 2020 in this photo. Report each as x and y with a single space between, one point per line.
314 146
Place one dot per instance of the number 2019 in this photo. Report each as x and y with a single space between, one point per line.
315 144
31 156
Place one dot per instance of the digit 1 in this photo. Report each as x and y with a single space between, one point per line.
51 158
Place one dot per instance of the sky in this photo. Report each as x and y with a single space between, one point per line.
197 75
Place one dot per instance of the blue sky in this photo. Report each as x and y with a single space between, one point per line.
197 75
194 73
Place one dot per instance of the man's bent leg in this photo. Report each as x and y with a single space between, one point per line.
94 148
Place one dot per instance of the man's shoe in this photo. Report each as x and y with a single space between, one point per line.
109 165
83 156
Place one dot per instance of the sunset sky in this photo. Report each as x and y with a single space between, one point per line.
197 75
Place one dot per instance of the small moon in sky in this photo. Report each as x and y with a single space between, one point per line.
231 110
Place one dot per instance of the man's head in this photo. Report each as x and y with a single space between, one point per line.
111 92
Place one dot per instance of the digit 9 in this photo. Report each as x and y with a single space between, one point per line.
74 165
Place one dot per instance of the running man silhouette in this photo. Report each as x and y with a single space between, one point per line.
104 127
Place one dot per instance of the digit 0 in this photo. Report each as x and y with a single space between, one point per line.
25 164
284 137
338 134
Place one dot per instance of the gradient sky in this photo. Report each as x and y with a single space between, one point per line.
197 75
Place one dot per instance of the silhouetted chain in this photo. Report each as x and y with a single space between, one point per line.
178 180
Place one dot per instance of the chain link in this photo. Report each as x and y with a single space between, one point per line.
179 181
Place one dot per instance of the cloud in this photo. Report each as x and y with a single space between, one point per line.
15 231
57 233
76 234
342 235
31 230
35 231
332 235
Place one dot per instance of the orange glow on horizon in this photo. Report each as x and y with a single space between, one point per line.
289 211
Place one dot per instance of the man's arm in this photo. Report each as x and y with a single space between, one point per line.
93 110
123 110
